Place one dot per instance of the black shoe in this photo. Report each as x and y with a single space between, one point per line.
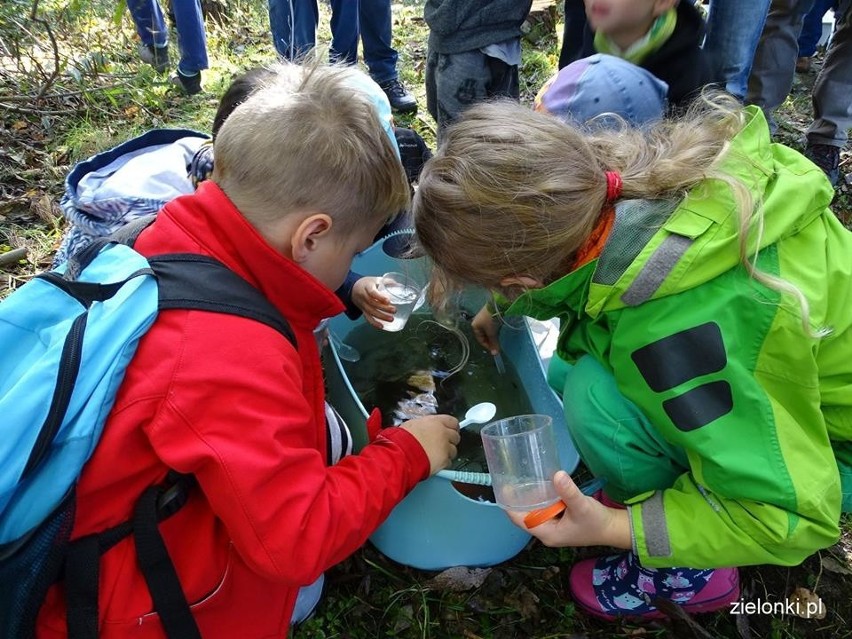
191 84
827 158
157 57
400 99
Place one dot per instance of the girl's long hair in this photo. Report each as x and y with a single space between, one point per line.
516 192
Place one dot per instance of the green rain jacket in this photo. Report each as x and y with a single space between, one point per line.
720 364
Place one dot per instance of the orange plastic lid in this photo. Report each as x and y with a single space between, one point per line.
537 517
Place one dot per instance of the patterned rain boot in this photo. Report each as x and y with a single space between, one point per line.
617 586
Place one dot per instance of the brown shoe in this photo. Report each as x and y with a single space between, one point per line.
803 65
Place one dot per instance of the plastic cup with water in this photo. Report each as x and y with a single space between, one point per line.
522 458
403 292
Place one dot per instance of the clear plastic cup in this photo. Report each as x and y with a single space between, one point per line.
404 292
522 458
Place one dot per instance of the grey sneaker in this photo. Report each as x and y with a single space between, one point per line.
190 84
827 158
157 57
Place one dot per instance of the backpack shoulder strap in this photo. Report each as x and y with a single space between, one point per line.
189 281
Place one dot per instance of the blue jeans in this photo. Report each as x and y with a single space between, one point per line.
812 28
733 31
376 36
294 25
294 28
189 23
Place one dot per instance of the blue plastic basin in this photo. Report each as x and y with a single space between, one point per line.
436 526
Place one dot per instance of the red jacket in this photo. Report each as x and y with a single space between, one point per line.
232 402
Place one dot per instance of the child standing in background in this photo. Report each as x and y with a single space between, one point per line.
662 36
474 53
704 294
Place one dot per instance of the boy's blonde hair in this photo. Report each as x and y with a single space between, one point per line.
516 192
308 141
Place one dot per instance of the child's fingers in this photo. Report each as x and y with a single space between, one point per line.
487 341
381 314
378 299
375 318
566 488
372 321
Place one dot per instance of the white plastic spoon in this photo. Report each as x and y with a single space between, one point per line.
478 414
344 350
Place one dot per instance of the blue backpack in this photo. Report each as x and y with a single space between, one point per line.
66 338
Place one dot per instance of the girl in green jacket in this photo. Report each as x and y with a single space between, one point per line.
704 293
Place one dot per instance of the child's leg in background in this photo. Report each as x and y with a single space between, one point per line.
294 26
458 80
775 58
189 23
733 32
812 28
345 31
614 439
149 21
376 20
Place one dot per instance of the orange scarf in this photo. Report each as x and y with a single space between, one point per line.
593 246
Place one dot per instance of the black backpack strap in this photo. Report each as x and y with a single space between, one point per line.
82 577
187 280
128 233
159 571
82 567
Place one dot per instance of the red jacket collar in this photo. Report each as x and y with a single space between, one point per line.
207 222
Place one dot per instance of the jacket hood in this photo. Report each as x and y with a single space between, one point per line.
141 174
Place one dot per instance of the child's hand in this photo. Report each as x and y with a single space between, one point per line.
373 304
439 436
584 522
486 329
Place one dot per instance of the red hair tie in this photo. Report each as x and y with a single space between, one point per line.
613 186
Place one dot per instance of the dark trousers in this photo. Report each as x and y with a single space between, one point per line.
457 80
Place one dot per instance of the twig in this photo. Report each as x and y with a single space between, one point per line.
66 94
33 58
819 574
18 109
13 256
5 50
49 82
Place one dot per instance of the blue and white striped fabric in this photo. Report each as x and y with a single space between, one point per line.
132 180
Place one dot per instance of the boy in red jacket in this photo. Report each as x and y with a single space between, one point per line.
305 176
